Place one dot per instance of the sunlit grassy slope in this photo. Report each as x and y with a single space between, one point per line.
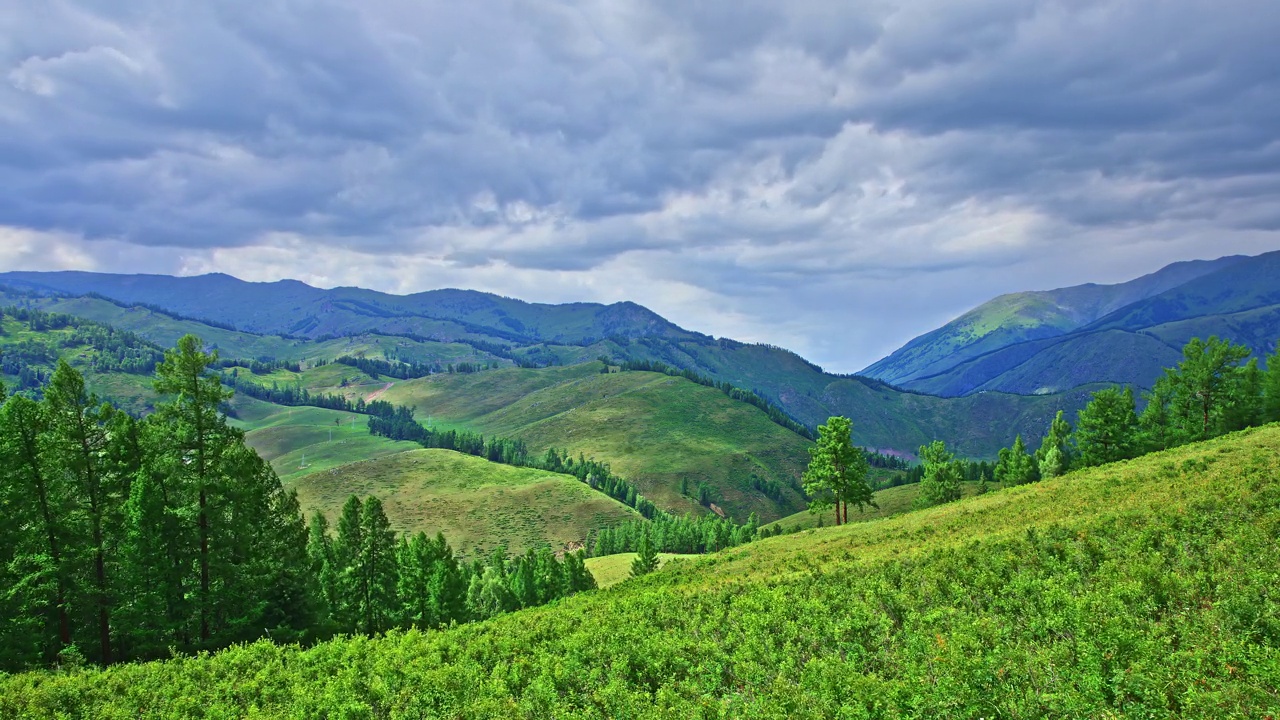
477 504
304 440
610 570
653 429
1142 589
892 501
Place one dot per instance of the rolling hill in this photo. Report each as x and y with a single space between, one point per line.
472 325
1055 340
1142 589
477 504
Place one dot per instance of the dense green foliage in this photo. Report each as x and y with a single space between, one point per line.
837 472
132 537
1143 589
137 538
370 581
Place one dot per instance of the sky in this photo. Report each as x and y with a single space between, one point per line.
831 177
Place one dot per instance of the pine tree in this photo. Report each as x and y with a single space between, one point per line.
376 569
837 471
1016 466
1055 456
646 560
1107 428
1271 388
75 445
942 474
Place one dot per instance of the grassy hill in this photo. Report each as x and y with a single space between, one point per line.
300 441
478 505
609 570
653 429
1140 589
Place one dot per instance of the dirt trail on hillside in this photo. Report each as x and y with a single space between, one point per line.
378 393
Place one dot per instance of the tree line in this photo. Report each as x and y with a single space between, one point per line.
129 538
1213 391
397 423
369 581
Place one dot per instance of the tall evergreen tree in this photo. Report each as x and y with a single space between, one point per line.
75 445
1271 388
1055 455
942 474
1016 466
837 471
1107 428
1202 386
646 560
376 569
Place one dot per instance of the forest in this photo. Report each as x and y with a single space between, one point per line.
131 538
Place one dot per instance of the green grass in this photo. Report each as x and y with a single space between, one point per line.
653 429
892 501
610 570
1143 589
477 504
304 440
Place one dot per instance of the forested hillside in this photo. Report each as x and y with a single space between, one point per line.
1141 589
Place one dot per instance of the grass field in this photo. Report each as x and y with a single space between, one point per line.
304 440
477 504
653 429
1142 589
613 569
892 501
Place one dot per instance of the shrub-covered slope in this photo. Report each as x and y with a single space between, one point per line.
1141 589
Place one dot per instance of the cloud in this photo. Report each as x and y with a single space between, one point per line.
832 177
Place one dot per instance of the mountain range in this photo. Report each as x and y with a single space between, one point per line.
1001 369
1051 341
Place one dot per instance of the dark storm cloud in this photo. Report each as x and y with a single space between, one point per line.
767 170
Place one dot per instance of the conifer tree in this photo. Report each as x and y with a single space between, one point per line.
75 445
1016 466
646 560
1107 428
376 569
942 474
1055 455
837 471
1271 388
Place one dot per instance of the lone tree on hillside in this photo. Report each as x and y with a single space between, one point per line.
646 557
837 472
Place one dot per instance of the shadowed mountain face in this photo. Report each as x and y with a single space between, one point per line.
1051 341
294 308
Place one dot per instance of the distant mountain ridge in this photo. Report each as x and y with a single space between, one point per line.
446 326
294 308
1051 341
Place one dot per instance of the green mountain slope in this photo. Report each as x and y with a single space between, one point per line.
653 429
1059 364
883 417
478 505
1075 342
1143 589
291 307
1021 317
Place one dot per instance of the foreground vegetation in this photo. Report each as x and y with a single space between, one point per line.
1142 588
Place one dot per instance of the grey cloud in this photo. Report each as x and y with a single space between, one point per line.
755 151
